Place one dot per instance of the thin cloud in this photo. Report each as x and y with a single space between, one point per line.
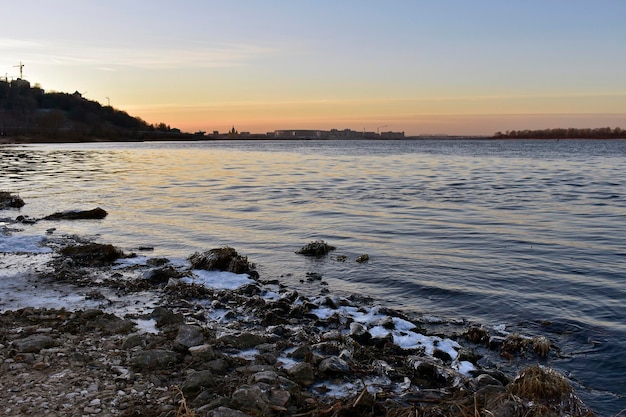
111 57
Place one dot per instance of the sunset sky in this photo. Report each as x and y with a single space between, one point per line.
423 67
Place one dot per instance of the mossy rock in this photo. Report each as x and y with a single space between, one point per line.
316 248
92 254
221 259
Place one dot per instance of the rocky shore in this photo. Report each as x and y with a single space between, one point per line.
215 339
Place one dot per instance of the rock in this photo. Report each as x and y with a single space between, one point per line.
359 333
302 373
162 275
166 317
251 398
202 352
189 336
153 359
8 200
33 343
92 254
218 366
94 214
444 356
197 382
267 377
363 258
333 366
221 259
301 352
134 340
279 397
316 248
485 380
243 341
228 412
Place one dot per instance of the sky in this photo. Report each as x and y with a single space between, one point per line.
454 67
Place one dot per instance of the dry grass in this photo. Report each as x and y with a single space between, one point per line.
541 385
183 409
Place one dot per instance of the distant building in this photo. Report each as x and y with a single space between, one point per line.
300 134
392 135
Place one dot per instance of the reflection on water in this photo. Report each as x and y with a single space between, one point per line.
493 231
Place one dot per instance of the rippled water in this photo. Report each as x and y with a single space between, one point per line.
524 233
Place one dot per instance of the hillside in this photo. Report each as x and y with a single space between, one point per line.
29 114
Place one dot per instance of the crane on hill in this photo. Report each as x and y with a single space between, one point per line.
21 67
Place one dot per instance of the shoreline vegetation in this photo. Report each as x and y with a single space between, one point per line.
256 348
28 114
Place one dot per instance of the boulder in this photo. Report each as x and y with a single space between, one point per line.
197 382
221 259
92 254
153 359
8 200
189 336
251 398
316 248
93 214
334 366
302 373
33 343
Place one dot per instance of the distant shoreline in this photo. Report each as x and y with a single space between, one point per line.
191 138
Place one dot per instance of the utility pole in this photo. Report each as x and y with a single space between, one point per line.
108 101
21 66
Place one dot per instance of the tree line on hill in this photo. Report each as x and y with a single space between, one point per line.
570 133
29 112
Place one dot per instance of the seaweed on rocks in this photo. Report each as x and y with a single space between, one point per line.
221 259
92 254
316 248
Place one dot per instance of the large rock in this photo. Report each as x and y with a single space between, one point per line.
302 373
189 336
228 412
33 343
251 398
8 200
316 248
197 382
221 259
92 254
153 359
334 365
94 214
243 341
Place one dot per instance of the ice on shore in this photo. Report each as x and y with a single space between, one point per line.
403 333
23 244
219 280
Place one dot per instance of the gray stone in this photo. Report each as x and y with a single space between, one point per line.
251 398
302 373
134 340
279 397
153 359
334 365
243 341
485 380
189 336
198 381
268 377
33 343
202 352
228 412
